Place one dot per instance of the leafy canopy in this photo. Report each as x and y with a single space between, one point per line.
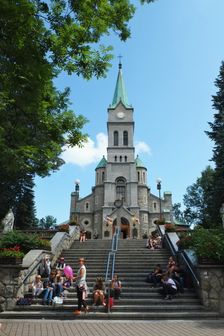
39 39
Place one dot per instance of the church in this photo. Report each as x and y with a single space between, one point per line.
120 197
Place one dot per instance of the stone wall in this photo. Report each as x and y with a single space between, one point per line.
12 284
9 284
211 290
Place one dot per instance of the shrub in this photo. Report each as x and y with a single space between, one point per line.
170 227
26 242
63 228
184 242
208 243
11 252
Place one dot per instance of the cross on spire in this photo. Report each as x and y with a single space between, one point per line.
120 57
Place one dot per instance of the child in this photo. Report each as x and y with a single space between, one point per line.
37 286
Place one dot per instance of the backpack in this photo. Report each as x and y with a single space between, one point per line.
24 301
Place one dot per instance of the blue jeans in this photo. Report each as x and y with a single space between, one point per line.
58 289
47 295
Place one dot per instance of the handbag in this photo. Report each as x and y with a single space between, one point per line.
57 300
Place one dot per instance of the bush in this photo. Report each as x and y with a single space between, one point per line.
208 243
185 241
63 228
26 242
170 227
11 252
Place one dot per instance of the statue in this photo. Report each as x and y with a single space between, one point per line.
222 214
95 234
8 221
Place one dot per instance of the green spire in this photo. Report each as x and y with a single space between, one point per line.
102 163
139 163
120 94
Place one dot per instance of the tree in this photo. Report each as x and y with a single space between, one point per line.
47 222
217 135
24 204
39 39
177 213
198 200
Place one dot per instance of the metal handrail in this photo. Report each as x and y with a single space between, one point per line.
111 263
186 261
190 268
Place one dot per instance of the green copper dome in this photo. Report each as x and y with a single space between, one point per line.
120 94
139 163
102 163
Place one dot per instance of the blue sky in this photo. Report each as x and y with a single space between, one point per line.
170 64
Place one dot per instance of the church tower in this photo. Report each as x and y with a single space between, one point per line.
120 196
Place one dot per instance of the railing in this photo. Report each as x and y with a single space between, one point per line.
111 263
180 255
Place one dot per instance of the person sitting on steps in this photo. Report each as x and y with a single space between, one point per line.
99 293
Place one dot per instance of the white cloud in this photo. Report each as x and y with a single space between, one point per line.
142 147
92 152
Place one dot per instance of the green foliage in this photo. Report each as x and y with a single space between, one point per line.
216 134
38 40
26 242
185 241
208 243
11 252
47 222
198 200
177 213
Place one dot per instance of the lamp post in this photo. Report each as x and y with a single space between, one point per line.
158 181
77 183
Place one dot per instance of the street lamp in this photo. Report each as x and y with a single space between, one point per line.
77 183
158 181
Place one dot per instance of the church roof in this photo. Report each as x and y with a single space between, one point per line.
120 94
139 163
102 163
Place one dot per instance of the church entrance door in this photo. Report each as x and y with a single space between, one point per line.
124 227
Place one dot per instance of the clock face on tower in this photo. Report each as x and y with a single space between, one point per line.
120 115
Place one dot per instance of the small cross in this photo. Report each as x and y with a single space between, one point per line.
120 65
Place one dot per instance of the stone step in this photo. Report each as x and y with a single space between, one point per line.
164 306
100 315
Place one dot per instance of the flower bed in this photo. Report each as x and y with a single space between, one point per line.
11 255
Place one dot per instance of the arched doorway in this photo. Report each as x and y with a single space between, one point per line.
125 227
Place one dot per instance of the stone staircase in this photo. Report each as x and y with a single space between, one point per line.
138 301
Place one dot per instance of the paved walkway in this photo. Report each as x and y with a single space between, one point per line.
111 328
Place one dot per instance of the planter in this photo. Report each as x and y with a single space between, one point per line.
11 260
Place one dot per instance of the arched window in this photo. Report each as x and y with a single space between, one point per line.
125 138
143 175
125 158
115 158
115 138
138 177
121 188
120 158
103 176
87 206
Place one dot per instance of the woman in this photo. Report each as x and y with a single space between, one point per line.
117 287
81 287
99 292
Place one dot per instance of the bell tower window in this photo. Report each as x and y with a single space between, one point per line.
125 138
115 138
